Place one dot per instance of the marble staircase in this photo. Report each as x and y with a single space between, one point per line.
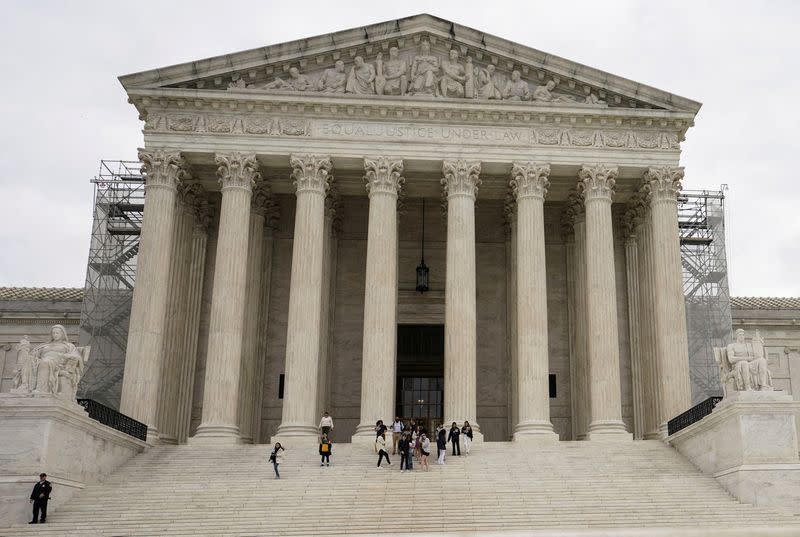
565 488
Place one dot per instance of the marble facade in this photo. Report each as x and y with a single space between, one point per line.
283 221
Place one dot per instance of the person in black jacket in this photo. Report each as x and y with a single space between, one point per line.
404 446
39 498
455 432
441 443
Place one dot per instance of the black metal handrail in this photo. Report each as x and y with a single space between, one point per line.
694 414
115 420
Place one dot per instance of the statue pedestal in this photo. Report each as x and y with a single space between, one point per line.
749 444
45 433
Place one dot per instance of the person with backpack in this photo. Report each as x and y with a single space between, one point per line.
455 432
276 457
325 450
466 430
380 447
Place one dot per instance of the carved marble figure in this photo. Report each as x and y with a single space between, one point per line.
295 82
25 374
362 78
545 94
743 365
333 80
595 100
454 76
485 83
516 89
391 77
424 71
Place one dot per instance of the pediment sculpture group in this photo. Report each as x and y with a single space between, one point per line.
425 75
52 368
742 365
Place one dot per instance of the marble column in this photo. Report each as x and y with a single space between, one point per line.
582 409
163 170
461 181
509 209
670 315
384 181
311 175
237 174
260 203
568 235
197 265
529 183
597 185
329 249
631 222
175 322
647 286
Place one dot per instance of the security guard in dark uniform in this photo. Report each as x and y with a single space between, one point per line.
39 498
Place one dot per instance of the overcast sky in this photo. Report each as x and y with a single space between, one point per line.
63 109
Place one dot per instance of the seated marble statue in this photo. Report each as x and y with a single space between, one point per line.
545 94
594 100
743 365
295 82
516 89
333 80
424 71
362 78
454 76
391 77
55 367
486 85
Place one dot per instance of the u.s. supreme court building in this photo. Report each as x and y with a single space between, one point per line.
426 221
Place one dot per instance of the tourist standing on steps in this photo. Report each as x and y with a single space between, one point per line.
455 432
326 425
380 428
325 450
441 443
466 430
405 453
425 450
39 498
380 447
397 430
276 457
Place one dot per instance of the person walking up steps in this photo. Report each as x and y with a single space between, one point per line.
466 430
325 450
326 425
455 432
441 443
380 447
276 457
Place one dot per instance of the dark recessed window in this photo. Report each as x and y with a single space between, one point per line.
281 380
552 386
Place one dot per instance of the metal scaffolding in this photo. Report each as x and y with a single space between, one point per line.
701 220
110 274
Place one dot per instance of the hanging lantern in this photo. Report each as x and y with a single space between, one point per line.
422 268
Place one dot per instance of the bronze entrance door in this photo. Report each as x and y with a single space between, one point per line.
420 374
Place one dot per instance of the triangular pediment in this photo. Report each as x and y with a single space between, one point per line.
423 57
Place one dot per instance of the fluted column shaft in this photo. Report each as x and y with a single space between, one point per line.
647 322
670 315
247 381
461 181
529 183
634 327
378 367
581 385
237 173
263 323
598 184
143 358
311 175
511 309
197 267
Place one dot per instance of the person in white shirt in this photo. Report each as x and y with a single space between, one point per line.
380 447
326 425
397 431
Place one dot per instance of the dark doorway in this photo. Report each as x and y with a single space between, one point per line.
420 373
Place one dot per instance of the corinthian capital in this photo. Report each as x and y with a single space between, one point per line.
311 173
572 212
383 175
461 178
163 168
261 201
237 170
597 181
529 179
664 183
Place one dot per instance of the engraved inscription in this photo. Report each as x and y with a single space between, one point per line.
453 134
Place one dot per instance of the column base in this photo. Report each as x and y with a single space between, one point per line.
296 430
165 439
216 434
608 430
534 431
